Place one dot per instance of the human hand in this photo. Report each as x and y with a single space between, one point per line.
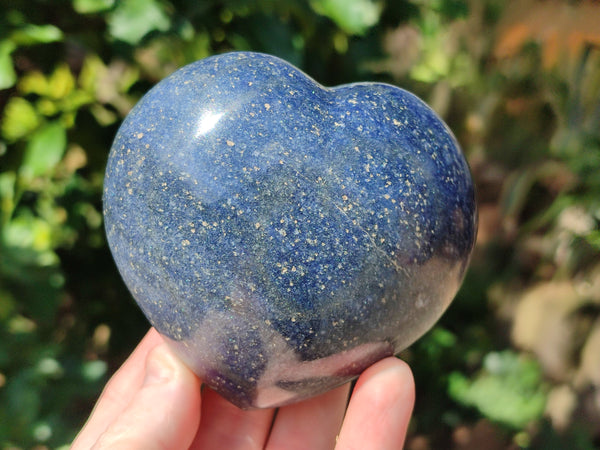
154 402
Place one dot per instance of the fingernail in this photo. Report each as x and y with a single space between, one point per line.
160 367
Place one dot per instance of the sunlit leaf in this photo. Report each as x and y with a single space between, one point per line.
352 16
93 68
75 100
27 232
129 75
93 370
61 82
185 30
49 367
92 6
508 390
103 115
134 19
7 307
594 239
20 119
7 194
7 71
44 150
42 431
47 107
20 325
34 82
435 59
67 119
435 65
36 34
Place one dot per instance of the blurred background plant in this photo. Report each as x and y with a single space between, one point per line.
515 362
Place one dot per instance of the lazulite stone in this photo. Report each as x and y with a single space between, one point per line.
281 235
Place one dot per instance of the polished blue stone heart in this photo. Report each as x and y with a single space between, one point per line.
281 235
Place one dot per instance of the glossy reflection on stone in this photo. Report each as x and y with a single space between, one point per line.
281 235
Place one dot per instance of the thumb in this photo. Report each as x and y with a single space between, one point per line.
163 414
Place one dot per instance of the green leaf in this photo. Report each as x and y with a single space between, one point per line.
509 389
92 6
134 19
44 150
8 77
20 119
593 238
93 69
7 195
56 86
8 306
93 370
61 83
28 232
34 82
36 34
352 16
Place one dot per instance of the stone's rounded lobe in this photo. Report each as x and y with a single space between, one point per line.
281 235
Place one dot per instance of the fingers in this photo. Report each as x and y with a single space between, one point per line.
380 407
225 426
118 392
153 401
311 424
164 412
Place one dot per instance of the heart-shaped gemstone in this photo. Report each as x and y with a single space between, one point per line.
281 235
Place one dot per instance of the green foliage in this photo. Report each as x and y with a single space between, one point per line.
20 34
44 150
20 119
354 16
7 72
131 20
524 107
29 34
92 6
508 390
